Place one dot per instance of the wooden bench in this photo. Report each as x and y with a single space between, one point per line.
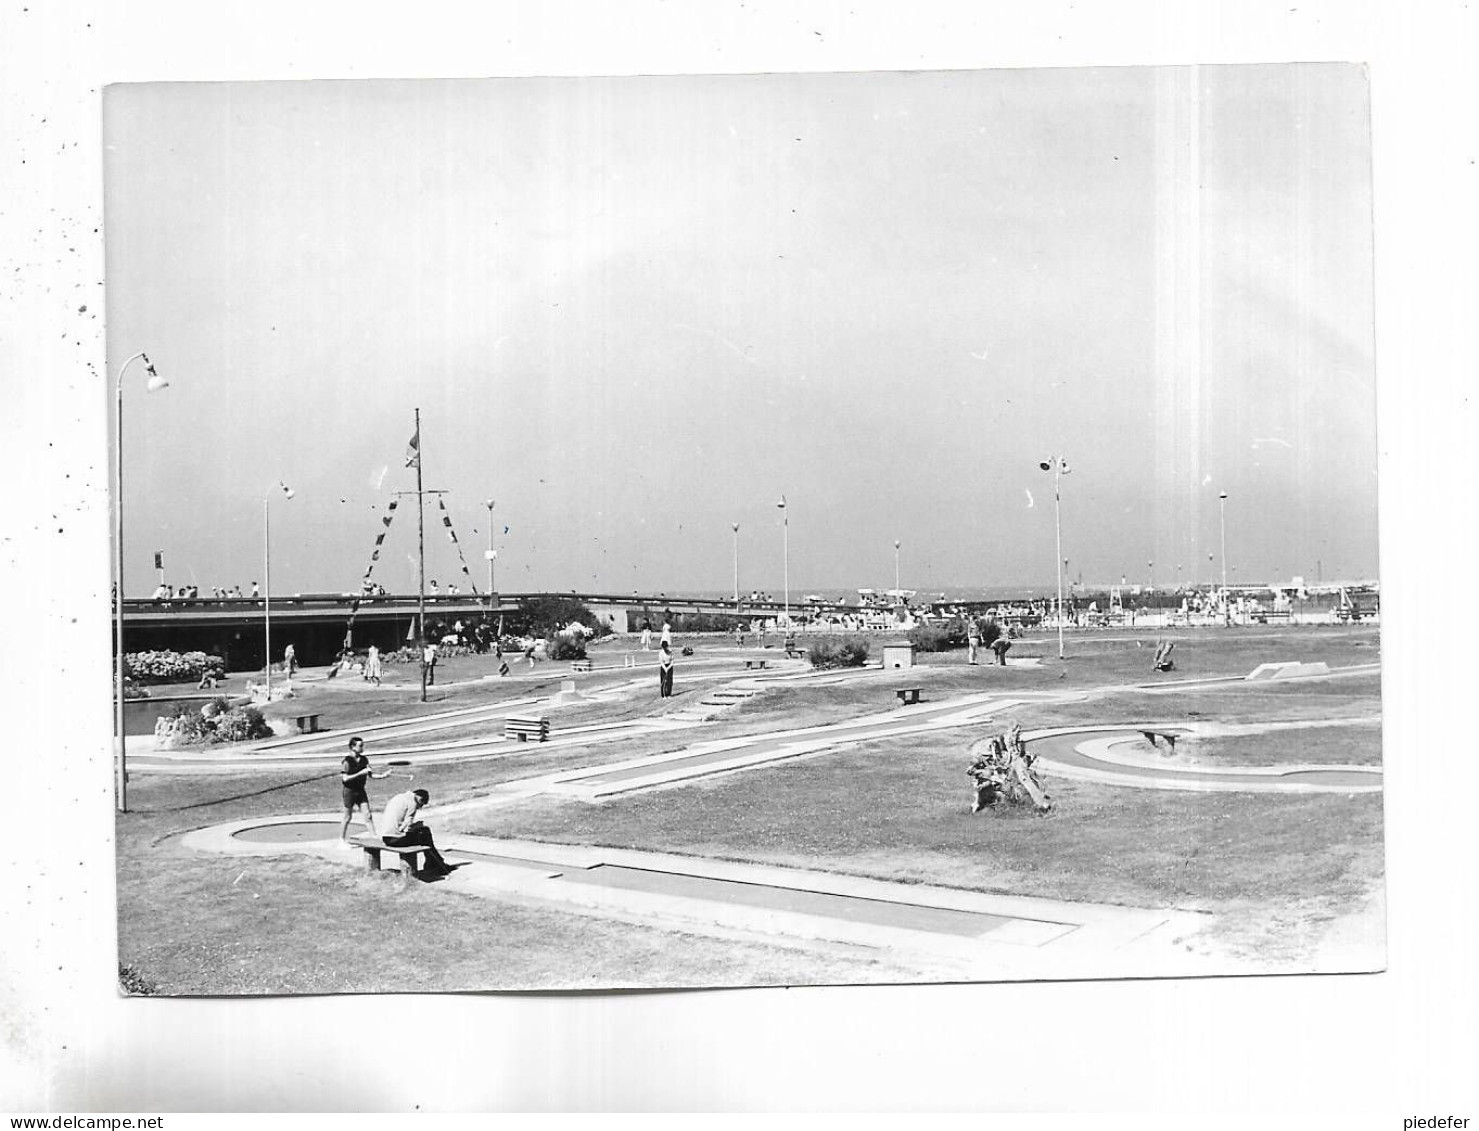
525 728
306 724
754 664
1263 616
908 696
374 846
793 649
581 665
1150 737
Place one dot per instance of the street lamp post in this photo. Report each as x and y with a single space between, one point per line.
1059 468
154 384
898 591
786 557
1222 514
735 527
267 575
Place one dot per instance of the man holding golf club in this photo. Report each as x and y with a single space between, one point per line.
354 775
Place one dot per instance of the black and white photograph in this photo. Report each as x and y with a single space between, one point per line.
758 530
747 557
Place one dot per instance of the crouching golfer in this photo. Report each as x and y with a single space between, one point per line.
399 828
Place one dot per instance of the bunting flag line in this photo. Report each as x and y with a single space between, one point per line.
354 604
452 534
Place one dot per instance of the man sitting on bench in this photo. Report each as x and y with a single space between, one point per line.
399 828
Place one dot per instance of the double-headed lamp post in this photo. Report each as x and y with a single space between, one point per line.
154 384
267 573
1059 467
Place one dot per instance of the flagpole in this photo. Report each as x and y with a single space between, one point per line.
421 559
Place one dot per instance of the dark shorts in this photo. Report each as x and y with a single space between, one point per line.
355 796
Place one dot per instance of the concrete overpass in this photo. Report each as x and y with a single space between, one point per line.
315 623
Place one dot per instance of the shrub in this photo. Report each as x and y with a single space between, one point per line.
168 666
838 652
215 723
240 724
565 646
932 638
190 727
545 616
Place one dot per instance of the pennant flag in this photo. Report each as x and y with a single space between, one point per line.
158 559
782 503
413 449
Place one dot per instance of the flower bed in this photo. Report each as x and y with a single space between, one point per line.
168 666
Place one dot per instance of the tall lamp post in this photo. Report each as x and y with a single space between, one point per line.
735 527
267 574
154 384
786 556
897 590
1222 514
1059 468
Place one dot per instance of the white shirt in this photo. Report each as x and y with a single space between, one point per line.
400 811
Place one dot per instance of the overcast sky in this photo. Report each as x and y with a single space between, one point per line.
635 311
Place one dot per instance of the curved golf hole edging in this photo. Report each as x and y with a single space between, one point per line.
1087 754
310 833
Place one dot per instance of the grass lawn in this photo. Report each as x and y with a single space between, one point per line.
1275 868
898 809
305 925
191 923
1316 745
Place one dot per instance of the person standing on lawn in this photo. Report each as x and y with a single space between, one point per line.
354 775
373 670
972 639
664 670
